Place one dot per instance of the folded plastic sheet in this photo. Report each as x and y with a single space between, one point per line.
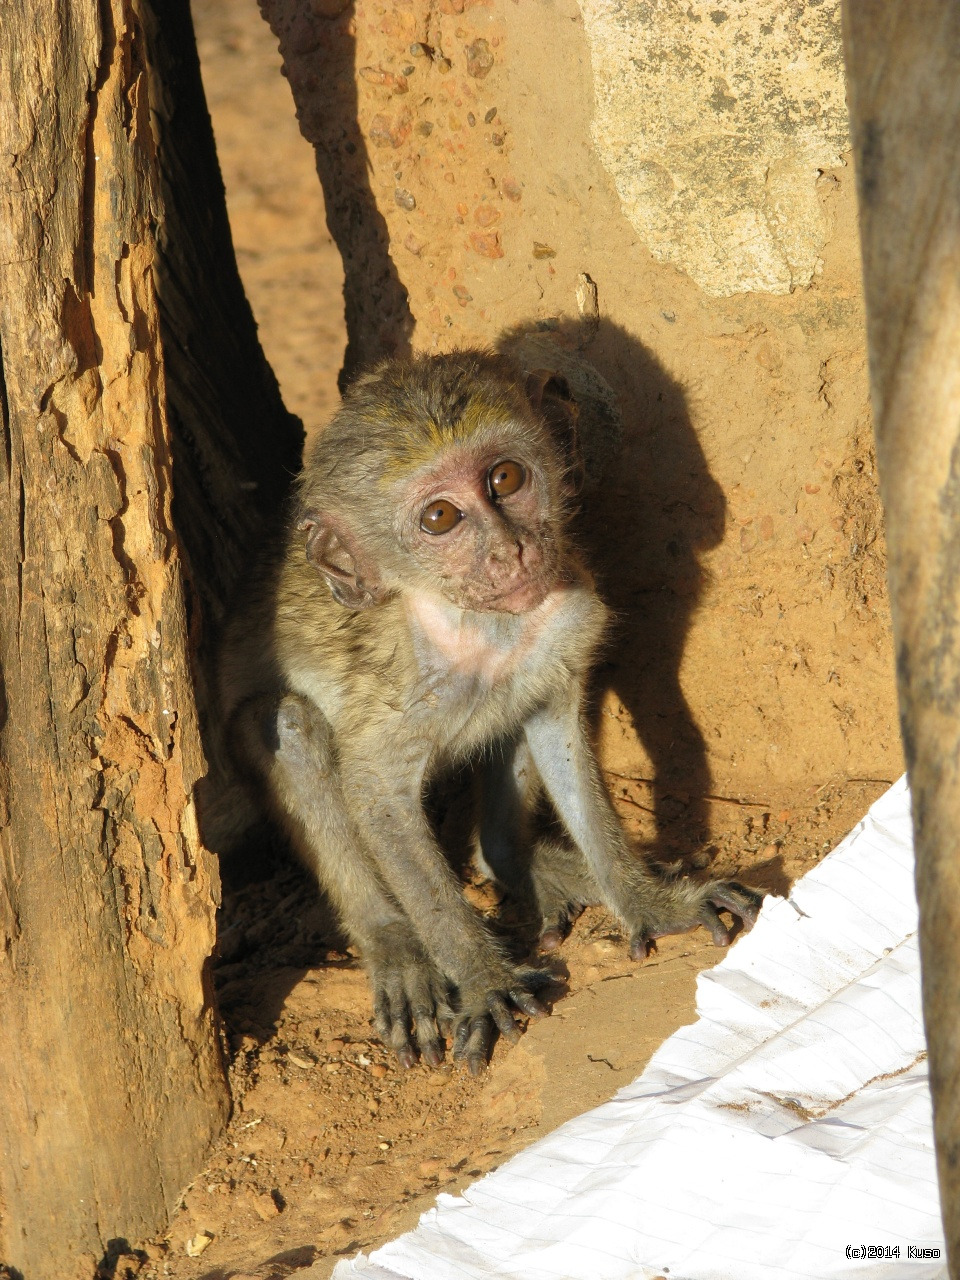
786 1133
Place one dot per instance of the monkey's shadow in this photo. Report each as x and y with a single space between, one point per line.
644 527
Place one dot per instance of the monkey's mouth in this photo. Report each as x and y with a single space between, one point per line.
520 599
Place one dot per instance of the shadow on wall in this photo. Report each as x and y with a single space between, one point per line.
319 59
646 520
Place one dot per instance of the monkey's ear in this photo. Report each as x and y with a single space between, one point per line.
550 395
351 576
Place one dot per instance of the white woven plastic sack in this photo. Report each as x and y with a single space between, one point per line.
786 1133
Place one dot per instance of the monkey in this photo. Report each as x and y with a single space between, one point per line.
429 607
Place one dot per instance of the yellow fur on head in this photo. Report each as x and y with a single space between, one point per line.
420 439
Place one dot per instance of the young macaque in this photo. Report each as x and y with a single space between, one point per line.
429 608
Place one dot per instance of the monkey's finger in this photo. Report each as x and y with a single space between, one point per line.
428 1037
538 979
527 1003
476 1043
391 1018
461 1034
736 898
381 1015
718 930
503 1017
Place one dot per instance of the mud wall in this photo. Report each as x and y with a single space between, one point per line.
662 188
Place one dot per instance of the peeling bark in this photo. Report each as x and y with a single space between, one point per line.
130 367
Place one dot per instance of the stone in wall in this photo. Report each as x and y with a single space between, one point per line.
713 117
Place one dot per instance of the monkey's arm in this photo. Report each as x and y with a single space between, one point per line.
648 904
288 740
387 810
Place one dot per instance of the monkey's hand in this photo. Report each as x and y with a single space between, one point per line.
410 996
676 906
484 1011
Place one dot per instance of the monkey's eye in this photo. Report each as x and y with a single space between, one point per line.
440 517
505 478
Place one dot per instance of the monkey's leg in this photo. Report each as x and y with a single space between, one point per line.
649 905
290 741
385 802
548 873
509 790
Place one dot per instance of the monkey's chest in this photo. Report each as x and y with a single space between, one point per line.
482 676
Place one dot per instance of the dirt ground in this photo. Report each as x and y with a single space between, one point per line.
333 1148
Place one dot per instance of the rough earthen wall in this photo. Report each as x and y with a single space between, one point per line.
663 188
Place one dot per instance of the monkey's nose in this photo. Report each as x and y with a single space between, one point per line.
509 553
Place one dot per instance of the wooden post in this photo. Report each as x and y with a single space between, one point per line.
124 337
903 62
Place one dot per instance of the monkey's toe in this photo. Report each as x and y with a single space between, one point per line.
641 946
556 927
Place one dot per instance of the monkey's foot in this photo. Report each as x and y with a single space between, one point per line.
683 906
563 887
409 998
479 1021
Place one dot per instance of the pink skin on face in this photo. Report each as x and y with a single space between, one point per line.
493 553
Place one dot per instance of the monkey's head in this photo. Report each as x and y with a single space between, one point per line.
449 474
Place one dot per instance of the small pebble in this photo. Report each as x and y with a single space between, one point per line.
196 1244
487 243
490 116
485 215
479 58
405 199
543 250
265 1206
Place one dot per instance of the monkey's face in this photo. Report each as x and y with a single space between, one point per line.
484 526
446 474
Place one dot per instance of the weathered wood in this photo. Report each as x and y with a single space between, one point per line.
903 61
121 322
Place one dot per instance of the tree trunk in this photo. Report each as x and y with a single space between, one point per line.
903 59
125 342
